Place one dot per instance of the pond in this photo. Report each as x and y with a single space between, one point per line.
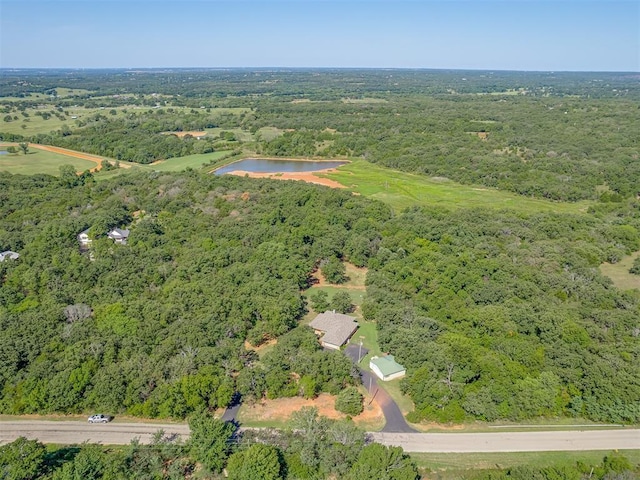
262 165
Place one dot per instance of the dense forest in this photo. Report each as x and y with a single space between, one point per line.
497 314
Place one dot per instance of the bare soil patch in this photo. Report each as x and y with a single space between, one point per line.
280 410
183 134
308 177
264 346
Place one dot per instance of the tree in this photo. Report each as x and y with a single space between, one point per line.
319 301
68 175
383 463
209 441
635 268
24 146
341 302
334 270
349 401
21 459
11 149
258 462
77 312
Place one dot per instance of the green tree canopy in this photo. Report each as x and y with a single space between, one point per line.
258 462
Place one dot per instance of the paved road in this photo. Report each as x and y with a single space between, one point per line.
394 420
122 433
513 441
67 433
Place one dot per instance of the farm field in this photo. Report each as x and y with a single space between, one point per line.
402 190
41 161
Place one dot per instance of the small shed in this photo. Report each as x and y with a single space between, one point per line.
386 368
336 328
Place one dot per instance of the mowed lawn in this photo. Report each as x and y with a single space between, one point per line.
40 161
402 190
190 161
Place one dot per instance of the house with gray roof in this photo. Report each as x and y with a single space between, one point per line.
119 236
386 368
336 328
9 255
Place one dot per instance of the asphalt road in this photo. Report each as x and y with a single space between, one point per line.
67 433
513 441
394 420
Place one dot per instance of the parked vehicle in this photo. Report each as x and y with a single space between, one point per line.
99 418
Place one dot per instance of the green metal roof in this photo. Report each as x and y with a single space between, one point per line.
387 365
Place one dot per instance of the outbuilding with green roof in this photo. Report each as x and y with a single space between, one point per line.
386 368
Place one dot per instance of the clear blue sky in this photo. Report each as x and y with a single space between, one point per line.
602 35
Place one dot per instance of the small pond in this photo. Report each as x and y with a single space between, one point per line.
262 165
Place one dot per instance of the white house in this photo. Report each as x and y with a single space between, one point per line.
84 239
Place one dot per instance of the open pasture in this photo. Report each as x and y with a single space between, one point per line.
40 161
190 161
402 190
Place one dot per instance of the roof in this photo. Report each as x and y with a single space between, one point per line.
387 365
8 254
118 233
337 327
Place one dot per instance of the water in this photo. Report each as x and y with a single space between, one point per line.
261 165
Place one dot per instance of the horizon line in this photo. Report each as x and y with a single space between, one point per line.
133 69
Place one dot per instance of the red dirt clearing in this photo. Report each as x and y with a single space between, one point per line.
183 134
280 410
308 177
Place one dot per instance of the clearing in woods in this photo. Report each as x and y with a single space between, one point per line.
277 412
619 273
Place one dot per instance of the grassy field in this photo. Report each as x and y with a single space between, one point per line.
446 466
39 161
619 273
402 190
190 161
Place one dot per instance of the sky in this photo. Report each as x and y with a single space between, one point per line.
529 35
